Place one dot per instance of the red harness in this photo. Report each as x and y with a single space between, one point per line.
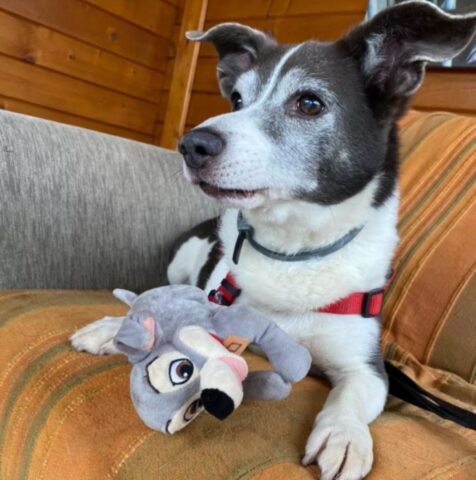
367 304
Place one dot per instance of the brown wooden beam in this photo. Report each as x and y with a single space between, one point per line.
183 74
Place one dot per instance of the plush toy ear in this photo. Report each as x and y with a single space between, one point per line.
238 47
125 296
138 335
394 47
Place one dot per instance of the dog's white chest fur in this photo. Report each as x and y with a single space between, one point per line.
288 292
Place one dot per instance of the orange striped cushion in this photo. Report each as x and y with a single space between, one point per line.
430 308
66 415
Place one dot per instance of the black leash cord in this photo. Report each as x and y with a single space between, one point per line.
406 389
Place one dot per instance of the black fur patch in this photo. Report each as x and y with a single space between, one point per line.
216 253
207 229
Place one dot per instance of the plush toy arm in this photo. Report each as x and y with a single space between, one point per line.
265 386
291 360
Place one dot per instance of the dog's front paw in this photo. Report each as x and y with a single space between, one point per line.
342 448
97 337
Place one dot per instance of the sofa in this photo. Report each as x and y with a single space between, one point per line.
83 212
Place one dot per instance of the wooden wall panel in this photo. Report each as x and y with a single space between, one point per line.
33 110
94 26
183 74
99 64
44 47
153 15
27 82
450 90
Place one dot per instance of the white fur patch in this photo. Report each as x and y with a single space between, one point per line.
374 54
97 337
188 261
275 76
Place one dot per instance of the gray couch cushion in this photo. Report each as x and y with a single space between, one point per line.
79 209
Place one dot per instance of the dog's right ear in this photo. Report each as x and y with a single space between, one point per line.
238 47
394 47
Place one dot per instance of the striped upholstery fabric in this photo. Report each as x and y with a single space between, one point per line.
68 416
430 310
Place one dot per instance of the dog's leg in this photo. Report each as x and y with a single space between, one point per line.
97 337
340 441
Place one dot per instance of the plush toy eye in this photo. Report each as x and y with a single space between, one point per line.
180 371
192 410
309 104
236 101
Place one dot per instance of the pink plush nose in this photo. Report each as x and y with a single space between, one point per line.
236 365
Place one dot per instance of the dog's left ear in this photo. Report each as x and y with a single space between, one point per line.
238 47
394 47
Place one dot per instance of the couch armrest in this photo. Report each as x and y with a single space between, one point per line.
80 209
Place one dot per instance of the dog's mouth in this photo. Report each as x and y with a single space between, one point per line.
228 193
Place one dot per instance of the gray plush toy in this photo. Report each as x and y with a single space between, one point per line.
185 356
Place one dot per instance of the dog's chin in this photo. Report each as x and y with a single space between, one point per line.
237 198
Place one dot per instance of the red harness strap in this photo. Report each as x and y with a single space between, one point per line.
367 304
226 293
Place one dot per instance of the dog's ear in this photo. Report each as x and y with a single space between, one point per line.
394 47
238 47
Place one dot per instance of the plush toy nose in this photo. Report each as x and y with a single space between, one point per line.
221 384
217 403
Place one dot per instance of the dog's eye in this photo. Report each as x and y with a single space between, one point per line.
236 101
309 104
180 371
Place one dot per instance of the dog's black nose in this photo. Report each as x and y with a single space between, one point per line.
200 145
217 403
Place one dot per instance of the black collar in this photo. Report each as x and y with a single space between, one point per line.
246 232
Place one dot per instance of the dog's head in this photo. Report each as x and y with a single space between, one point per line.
316 121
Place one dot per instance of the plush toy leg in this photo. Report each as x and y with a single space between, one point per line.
265 386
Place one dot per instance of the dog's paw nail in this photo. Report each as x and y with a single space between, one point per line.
342 451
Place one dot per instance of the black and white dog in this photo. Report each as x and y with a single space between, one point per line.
309 156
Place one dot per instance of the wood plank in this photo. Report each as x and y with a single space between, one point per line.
25 108
302 7
451 90
453 110
94 26
183 72
33 43
154 15
233 10
205 105
205 76
29 83
298 29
